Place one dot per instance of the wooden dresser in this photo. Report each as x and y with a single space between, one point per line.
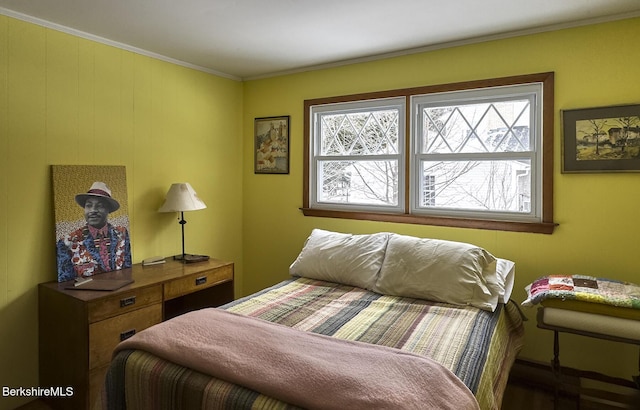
78 329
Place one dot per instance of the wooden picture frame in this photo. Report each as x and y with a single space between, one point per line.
602 139
271 149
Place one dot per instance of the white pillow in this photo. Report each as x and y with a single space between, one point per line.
438 270
343 258
506 271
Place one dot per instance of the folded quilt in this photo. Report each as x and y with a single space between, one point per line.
585 289
302 368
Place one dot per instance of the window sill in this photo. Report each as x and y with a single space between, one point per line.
537 227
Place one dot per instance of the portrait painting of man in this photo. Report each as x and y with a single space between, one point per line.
92 223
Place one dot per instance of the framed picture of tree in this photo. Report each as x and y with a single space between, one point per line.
603 139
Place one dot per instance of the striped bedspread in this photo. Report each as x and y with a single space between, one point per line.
476 345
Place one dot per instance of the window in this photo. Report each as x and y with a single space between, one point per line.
477 145
476 154
358 155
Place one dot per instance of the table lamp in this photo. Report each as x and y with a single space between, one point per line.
180 198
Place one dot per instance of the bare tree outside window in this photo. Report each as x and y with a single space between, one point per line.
482 131
465 154
365 138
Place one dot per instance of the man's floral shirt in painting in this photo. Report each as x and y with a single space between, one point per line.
79 253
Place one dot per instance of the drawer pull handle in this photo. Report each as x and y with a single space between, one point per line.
127 334
127 301
201 280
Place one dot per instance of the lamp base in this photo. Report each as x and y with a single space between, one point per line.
191 258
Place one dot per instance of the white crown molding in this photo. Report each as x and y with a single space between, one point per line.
106 41
451 44
433 47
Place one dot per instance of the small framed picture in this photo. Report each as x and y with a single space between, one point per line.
271 151
604 139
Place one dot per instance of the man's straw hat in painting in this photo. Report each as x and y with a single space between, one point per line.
98 190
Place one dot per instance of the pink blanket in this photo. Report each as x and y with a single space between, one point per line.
304 369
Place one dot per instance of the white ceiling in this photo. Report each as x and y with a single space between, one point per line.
246 39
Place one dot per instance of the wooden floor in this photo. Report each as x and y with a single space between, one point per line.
525 397
531 386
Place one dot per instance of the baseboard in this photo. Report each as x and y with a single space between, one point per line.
591 389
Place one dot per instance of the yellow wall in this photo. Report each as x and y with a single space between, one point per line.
66 100
598 214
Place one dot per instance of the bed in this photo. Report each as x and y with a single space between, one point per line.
364 320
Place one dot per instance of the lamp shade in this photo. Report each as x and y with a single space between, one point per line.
181 197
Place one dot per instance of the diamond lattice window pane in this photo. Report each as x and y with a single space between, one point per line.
362 133
477 128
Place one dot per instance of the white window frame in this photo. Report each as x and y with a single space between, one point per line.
531 92
316 156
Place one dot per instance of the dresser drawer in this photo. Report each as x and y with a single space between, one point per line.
106 334
124 302
195 282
